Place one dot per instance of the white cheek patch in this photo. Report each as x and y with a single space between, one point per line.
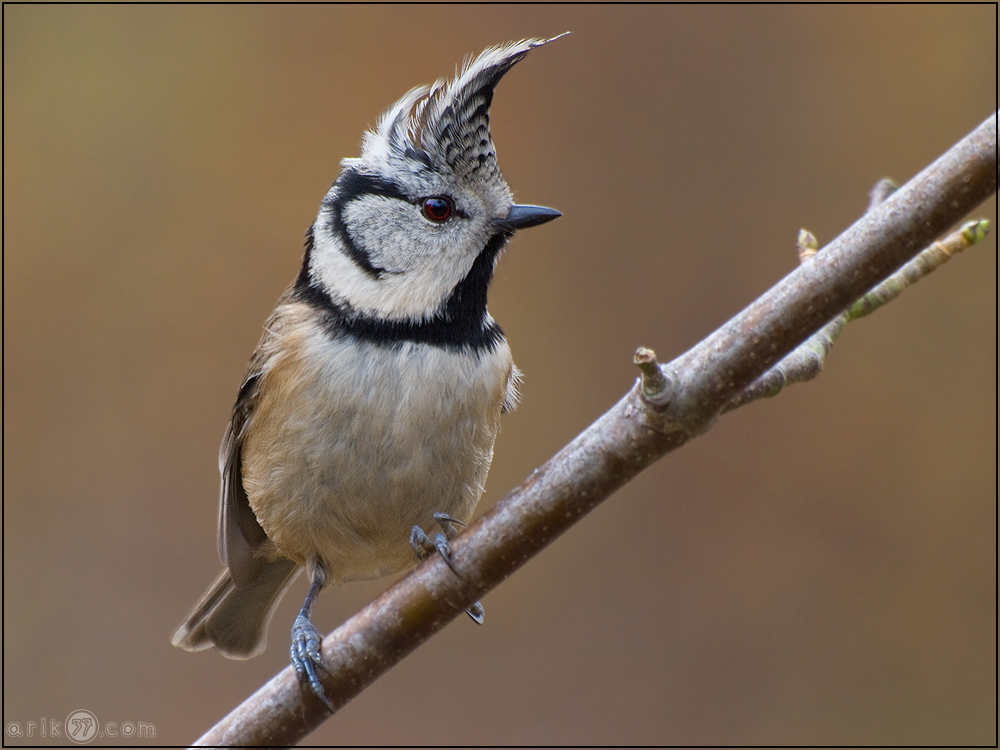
389 232
423 262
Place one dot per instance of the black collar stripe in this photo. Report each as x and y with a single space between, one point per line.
460 323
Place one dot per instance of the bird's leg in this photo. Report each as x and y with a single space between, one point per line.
423 548
306 641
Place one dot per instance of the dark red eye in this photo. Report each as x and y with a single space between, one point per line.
438 208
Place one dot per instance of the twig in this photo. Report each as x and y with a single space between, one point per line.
807 360
633 434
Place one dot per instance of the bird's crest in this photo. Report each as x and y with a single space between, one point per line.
447 125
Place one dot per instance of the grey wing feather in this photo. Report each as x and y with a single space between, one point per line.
240 535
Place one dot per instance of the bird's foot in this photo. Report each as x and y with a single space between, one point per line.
305 652
424 547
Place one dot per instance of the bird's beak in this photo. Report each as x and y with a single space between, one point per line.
522 217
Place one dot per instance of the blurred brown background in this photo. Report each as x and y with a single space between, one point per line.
818 569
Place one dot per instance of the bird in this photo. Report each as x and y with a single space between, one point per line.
369 410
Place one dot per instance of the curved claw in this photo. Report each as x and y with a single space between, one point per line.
442 546
305 653
477 613
423 548
448 524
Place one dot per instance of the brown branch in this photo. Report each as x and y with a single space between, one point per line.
657 416
807 359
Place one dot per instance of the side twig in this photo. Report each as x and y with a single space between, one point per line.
807 360
670 406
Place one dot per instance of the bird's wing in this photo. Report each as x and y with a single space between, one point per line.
240 535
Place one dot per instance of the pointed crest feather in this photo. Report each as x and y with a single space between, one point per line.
445 126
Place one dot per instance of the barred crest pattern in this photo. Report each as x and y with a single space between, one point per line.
447 125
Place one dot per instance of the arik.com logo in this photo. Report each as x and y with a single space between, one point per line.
81 726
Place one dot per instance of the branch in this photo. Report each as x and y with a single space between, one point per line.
669 406
806 361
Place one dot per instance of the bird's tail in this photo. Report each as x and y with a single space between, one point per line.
234 620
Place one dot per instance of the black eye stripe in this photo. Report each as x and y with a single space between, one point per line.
352 185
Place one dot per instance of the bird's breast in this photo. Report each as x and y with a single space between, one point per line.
350 444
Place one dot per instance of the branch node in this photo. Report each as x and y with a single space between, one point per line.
657 388
880 193
807 244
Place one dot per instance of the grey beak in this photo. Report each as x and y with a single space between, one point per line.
522 217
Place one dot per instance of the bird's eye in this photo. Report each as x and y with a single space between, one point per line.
438 208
